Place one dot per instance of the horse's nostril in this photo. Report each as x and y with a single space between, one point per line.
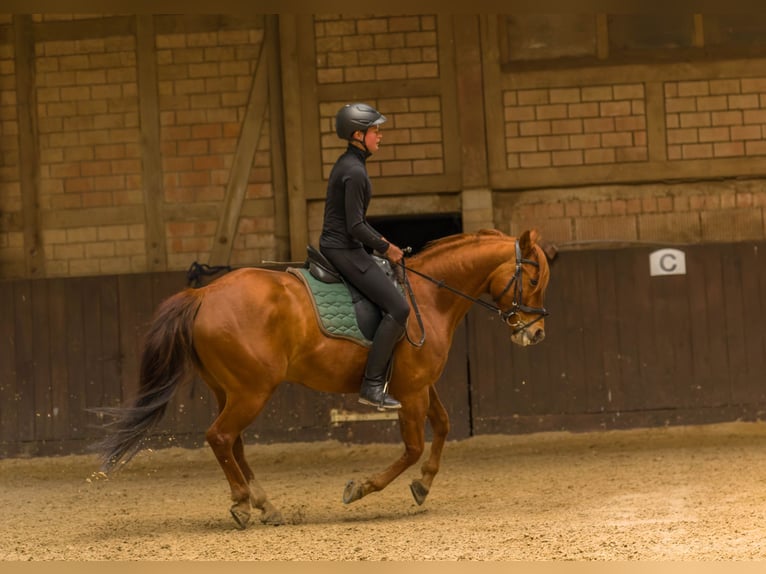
539 336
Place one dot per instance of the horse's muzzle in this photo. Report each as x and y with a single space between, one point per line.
529 336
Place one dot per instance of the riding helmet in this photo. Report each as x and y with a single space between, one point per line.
353 117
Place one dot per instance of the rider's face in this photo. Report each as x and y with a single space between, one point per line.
371 139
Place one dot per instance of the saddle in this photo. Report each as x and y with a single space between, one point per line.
342 310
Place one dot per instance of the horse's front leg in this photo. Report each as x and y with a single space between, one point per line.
439 420
412 426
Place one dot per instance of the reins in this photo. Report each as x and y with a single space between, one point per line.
504 315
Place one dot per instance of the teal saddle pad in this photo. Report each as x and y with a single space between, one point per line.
333 306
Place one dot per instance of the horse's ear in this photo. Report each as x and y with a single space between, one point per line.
527 241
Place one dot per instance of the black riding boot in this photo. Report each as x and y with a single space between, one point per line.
373 391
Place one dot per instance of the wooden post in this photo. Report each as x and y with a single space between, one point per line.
276 117
293 118
156 253
29 144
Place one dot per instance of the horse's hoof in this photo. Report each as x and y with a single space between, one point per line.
241 517
419 491
273 518
352 492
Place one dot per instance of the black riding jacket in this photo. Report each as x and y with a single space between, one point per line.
349 191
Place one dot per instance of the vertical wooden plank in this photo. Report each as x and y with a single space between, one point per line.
57 328
151 157
549 357
594 297
250 134
569 389
41 365
136 308
608 316
700 316
292 95
753 280
671 338
493 93
453 388
718 361
25 389
92 356
483 375
454 151
110 341
276 124
736 312
8 372
630 308
75 357
472 136
29 145
163 286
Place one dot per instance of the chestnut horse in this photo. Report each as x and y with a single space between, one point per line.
252 329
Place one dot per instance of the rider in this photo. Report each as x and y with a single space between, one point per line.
345 234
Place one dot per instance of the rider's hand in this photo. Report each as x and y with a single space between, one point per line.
393 254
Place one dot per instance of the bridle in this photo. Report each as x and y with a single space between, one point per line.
517 305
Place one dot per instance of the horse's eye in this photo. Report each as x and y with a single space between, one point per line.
533 282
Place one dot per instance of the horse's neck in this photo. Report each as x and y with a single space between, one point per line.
466 267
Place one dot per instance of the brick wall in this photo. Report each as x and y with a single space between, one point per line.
716 118
357 49
91 197
11 239
204 83
575 126
678 213
91 173
89 151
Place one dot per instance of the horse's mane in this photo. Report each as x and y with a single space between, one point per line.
448 242
436 248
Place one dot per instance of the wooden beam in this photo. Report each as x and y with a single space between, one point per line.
29 143
293 125
148 97
276 123
97 27
492 89
250 133
473 133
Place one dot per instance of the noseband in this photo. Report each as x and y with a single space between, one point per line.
516 306
518 303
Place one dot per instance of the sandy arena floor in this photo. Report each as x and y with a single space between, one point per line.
688 493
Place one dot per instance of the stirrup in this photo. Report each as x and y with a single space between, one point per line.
381 400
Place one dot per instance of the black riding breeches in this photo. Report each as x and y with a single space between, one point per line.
360 269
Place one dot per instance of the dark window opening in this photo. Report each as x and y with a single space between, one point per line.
416 230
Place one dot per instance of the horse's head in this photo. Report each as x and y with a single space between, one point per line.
518 287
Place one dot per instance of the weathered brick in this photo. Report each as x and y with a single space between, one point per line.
596 93
603 155
697 151
534 128
529 160
720 134
694 88
743 102
588 110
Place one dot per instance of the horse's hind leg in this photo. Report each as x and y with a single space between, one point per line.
258 498
439 420
223 437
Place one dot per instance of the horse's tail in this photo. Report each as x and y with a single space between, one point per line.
168 353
